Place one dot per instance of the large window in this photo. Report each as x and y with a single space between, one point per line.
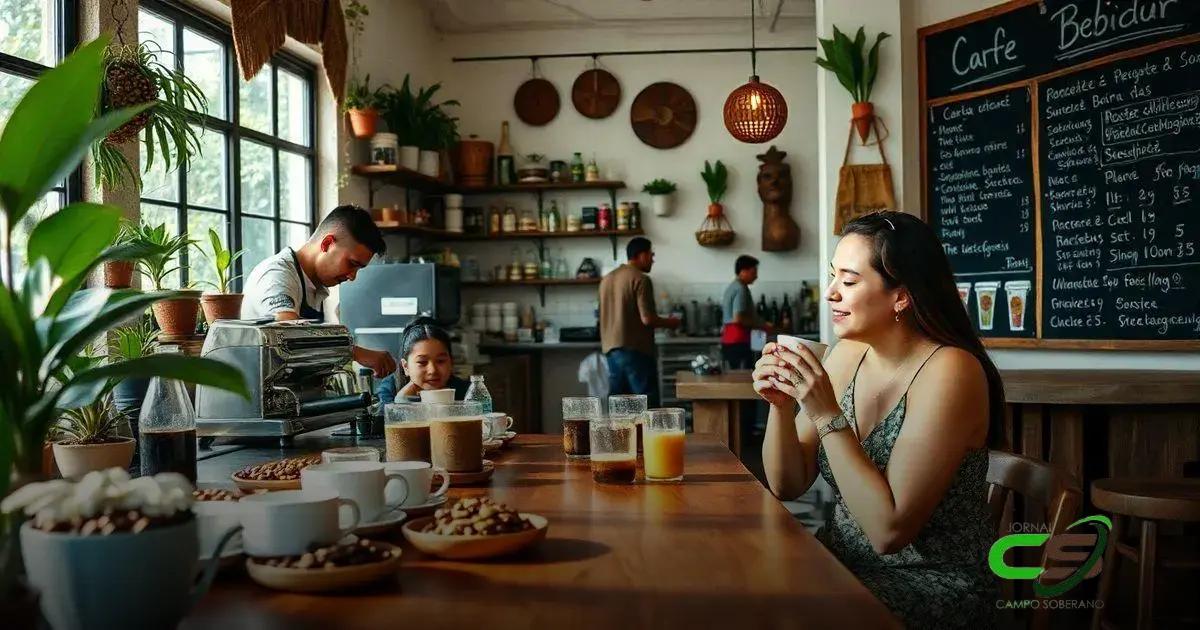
34 35
254 181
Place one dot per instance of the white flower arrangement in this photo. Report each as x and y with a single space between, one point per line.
100 492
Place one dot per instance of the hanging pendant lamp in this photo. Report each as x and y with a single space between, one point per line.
756 111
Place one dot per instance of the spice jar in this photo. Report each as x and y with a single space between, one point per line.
623 216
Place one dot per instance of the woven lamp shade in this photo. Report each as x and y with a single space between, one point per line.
755 112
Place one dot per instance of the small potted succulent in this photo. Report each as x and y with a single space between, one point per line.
222 304
662 192
362 107
127 343
176 316
113 552
93 437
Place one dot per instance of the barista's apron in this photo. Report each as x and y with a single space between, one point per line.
306 311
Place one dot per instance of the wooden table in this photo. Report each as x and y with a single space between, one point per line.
716 550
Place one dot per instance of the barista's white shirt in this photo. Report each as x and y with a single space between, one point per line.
274 285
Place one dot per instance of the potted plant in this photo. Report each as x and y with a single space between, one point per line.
176 315
118 274
113 552
221 304
439 132
419 124
50 317
715 230
134 76
844 58
93 437
661 191
361 107
127 343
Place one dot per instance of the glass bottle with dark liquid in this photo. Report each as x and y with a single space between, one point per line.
167 427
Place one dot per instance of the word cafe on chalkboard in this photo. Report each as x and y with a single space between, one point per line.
1061 169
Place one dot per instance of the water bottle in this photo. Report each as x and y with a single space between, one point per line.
478 392
167 428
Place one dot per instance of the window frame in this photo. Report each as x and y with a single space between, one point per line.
233 132
66 38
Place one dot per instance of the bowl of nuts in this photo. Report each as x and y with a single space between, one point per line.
280 474
475 528
351 562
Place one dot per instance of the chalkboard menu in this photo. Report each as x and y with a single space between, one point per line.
1061 168
1120 173
980 197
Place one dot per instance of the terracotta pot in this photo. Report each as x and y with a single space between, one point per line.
221 306
118 274
863 115
715 210
77 460
474 160
177 316
363 122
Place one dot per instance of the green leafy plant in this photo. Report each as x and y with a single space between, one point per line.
844 58
97 422
47 320
361 96
161 249
716 178
416 119
133 341
659 187
355 13
133 75
222 261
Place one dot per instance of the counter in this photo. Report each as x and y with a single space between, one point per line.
1089 424
716 550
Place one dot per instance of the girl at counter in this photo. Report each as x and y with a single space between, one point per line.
426 360
905 444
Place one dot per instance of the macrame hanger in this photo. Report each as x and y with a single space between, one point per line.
119 11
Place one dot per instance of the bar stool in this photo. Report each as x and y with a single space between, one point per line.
1151 500
1041 486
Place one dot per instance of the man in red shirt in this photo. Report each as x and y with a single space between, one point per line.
739 317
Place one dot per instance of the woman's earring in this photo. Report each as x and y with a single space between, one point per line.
898 314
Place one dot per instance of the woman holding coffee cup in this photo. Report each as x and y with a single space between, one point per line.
426 359
905 444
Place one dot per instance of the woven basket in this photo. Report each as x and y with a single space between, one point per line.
714 238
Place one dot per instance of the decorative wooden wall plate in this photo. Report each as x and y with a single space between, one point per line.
663 115
596 93
536 102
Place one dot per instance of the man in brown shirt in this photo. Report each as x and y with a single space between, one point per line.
627 322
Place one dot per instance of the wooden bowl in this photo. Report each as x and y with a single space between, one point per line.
474 547
319 580
251 485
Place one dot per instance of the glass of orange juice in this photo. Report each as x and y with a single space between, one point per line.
663 453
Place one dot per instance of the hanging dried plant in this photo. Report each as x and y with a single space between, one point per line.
132 76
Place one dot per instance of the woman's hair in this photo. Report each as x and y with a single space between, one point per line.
421 329
907 253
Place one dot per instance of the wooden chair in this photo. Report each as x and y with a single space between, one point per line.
1042 488
1152 501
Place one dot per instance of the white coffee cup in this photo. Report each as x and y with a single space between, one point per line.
496 424
792 343
437 395
214 519
286 522
361 482
419 476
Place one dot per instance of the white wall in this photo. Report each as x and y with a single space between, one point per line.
920 13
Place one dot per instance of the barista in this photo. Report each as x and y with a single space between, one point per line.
294 283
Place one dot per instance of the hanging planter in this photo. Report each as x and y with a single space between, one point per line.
134 76
844 58
716 230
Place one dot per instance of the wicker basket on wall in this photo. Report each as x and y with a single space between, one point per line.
716 230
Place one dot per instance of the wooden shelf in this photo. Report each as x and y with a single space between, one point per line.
540 282
402 177
540 187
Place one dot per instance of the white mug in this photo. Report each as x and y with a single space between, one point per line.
437 395
214 519
496 424
361 482
419 476
287 522
791 343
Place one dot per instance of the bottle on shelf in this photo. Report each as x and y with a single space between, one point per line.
593 171
494 219
562 270
604 217
623 216
553 219
785 317
635 216
577 172
509 224
547 267
478 392
773 313
543 219
761 310
506 166
802 308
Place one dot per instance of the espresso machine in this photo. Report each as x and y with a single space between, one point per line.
291 369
